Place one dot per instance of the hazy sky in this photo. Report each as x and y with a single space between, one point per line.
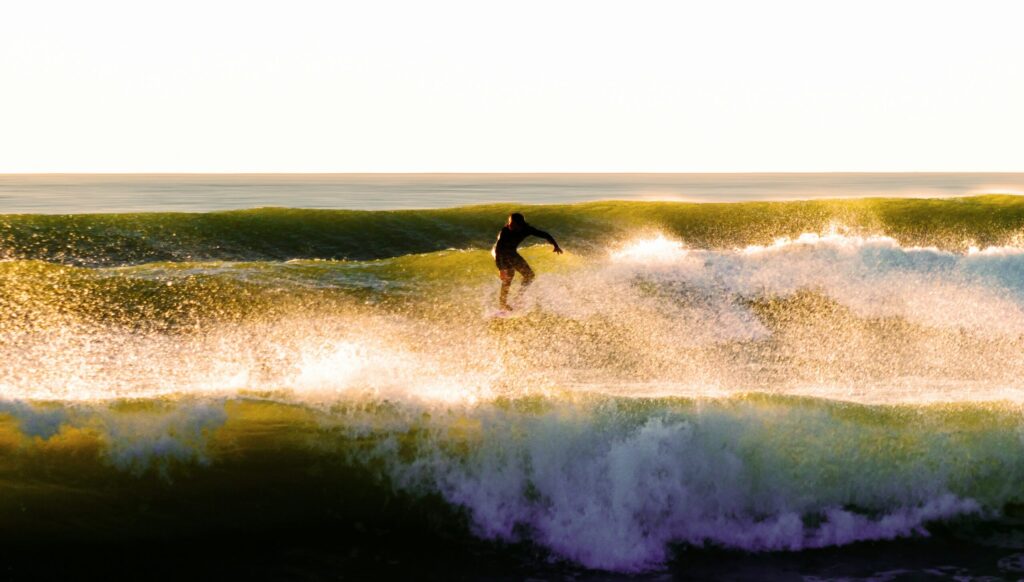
441 85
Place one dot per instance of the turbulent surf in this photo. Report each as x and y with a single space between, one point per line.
748 376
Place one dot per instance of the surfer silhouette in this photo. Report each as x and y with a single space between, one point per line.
508 259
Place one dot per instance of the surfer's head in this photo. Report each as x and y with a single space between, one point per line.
516 221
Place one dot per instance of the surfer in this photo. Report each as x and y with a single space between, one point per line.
508 259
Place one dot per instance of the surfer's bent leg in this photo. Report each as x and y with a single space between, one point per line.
524 269
506 282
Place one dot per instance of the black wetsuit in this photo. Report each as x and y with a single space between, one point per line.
506 255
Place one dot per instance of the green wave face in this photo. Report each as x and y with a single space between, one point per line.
610 483
283 234
762 376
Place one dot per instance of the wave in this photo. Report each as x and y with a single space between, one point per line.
607 482
284 234
752 376
835 315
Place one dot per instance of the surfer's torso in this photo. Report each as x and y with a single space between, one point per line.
507 245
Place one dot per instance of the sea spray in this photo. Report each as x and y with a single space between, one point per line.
749 377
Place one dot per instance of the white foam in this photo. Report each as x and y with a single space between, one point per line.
614 493
982 291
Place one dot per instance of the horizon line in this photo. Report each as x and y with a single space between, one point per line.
502 173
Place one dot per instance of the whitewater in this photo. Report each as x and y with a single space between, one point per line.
756 376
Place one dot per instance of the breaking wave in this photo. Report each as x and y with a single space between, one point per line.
752 376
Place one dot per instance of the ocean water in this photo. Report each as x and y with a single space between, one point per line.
77 193
808 389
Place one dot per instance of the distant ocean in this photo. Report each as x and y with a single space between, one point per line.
76 193
735 376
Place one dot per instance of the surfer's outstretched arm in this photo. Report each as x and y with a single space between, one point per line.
541 234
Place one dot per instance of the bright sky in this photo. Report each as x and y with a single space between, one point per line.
476 85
